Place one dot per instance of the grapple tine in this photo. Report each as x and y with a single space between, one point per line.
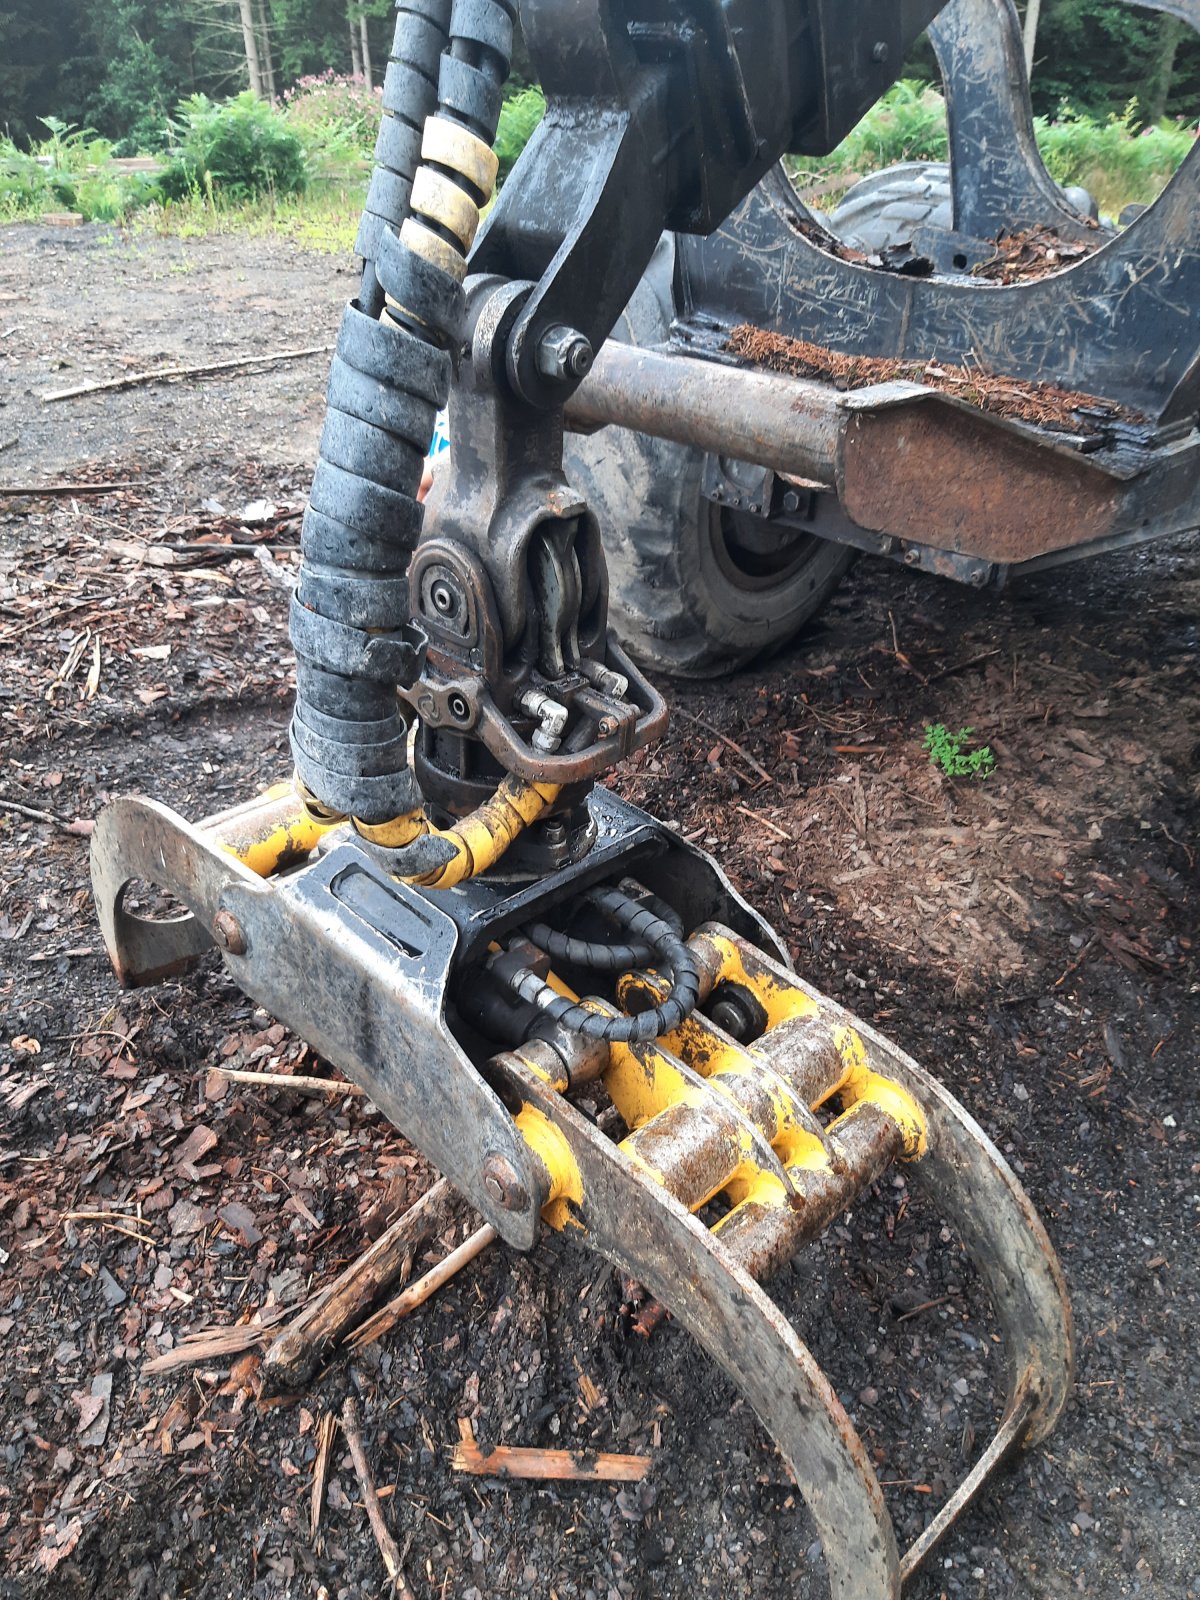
623 1213
684 1147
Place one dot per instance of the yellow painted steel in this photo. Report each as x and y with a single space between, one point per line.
858 1082
549 1144
439 199
478 840
646 1079
780 1001
861 1085
451 145
700 1045
274 831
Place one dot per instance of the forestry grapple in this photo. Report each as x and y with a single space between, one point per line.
563 1004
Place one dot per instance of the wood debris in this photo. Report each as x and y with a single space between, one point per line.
134 379
296 1353
383 1538
1041 403
557 1466
386 1318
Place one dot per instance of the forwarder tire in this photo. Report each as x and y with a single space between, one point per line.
695 589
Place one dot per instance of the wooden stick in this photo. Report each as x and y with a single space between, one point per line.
732 744
57 488
284 1080
38 816
325 1430
383 1538
293 1357
561 1466
131 380
386 1318
757 816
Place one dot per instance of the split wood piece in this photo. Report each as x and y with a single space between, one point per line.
386 1318
210 1344
325 1432
284 1080
383 1538
294 1356
132 380
560 1466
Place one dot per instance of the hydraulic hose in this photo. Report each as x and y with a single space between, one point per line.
646 928
391 373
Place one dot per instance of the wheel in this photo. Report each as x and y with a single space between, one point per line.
695 589
882 209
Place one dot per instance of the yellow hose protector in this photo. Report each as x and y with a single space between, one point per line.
478 840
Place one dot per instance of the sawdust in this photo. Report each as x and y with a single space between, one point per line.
1040 403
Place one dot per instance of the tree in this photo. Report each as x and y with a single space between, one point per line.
250 40
265 53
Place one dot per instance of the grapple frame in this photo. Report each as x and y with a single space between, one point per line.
373 972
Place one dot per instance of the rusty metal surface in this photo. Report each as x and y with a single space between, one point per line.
790 424
764 1238
944 475
908 462
630 1220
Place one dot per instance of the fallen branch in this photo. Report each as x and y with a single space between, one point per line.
293 1357
284 1080
42 816
132 380
757 816
731 744
559 1466
386 1318
58 488
383 1538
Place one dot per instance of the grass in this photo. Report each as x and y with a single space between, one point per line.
324 219
217 182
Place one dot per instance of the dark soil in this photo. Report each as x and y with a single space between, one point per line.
1029 938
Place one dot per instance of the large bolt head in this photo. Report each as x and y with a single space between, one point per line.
227 931
503 1185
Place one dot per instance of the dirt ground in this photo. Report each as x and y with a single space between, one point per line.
1029 938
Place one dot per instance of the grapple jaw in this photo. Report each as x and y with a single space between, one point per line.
721 1156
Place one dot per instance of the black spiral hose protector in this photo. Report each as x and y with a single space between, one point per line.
647 929
600 955
349 621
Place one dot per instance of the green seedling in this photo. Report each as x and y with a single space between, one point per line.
952 753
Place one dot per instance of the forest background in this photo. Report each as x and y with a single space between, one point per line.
121 67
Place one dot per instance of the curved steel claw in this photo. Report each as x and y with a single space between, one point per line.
618 1199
